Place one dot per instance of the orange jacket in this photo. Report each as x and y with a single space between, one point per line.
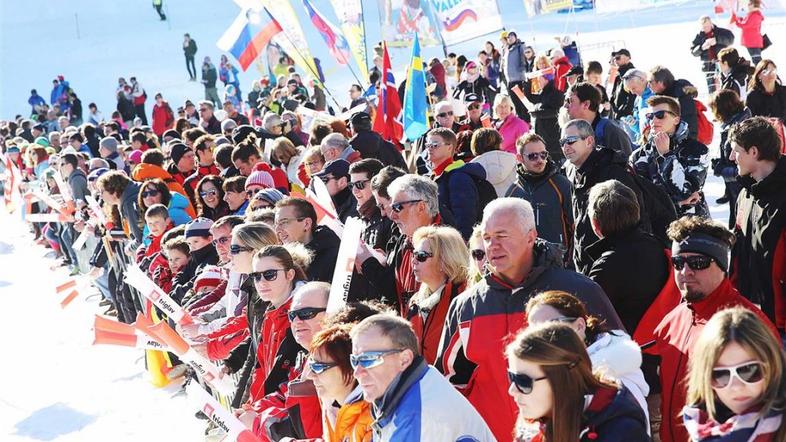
353 421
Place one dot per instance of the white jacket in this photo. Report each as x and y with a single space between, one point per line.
616 356
500 169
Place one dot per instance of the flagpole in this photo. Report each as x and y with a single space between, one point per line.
365 45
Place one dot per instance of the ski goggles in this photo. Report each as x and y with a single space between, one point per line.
748 373
371 359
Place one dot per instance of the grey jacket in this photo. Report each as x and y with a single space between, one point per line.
129 210
514 65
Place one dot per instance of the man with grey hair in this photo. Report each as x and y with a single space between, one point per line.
589 165
413 204
409 399
635 82
335 146
478 321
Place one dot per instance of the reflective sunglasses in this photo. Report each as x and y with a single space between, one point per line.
535 155
478 254
320 367
570 140
222 240
208 193
748 373
659 114
422 255
305 313
473 106
371 359
269 275
398 207
432 146
524 383
695 262
152 192
359 185
445 114
238 249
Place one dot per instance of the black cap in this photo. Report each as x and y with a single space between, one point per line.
472 98
360 119
575 70
338 168
38 126
621 52
242 132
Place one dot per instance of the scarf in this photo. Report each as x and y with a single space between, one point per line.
746 427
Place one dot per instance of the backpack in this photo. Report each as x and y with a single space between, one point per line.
658 207
486 194
706 129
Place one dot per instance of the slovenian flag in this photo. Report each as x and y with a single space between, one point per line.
248 35
335 41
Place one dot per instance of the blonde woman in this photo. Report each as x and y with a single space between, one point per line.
509 125
440 266
736 385
477 256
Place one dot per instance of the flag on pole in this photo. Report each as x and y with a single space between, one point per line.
350 18
415 98
335 41
386 122
248 35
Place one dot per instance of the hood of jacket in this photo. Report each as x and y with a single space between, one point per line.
143 172
744 115
498 166
622 405
615 354
474 169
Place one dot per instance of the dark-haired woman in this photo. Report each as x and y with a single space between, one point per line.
558 396
766 92
155 191
210 198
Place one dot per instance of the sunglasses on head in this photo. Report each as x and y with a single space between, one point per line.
478 254
151 192
422 255
398 207
208 193
359 185
748 373
305 313
371 359
695 262
524 383
569 140
269 275
535 155
445 114
236 249
659 114
320 367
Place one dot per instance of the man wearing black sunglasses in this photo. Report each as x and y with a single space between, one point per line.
622 101
444 116
540 182
700 257
583 102
335 175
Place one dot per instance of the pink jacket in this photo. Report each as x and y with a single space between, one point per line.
751 29
511 129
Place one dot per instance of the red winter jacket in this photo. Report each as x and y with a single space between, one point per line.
163 118
675 337
280 179
751 29
276 353
428 321
561 67
206 302
222 341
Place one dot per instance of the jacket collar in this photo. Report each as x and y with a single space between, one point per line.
383 408
722 295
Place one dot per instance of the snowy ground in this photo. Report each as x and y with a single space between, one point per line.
54 385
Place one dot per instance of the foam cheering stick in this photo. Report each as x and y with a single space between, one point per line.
48 200
206 369
70 288
345 264
96 208
112 332
44 218
219 415
137 279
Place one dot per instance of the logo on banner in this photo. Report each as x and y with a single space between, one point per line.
154 296
208 410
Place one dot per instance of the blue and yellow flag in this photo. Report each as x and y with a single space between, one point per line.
415 98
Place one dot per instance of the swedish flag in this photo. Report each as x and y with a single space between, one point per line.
415 98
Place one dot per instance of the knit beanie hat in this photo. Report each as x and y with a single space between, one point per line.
109 143
177 152
210 276
199 227
260 178
270 195
135 156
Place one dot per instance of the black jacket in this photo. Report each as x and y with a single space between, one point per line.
191 49
768 105
209 75
684 92
184 281
758 253
480 86
346 204
324 245
622 101
376 233
371 145
383 277
737 79
602 164
723 38
622 420
544 116
631 267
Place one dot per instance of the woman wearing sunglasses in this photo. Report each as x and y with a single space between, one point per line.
477 256
155 191
736 384
558 396
612 352
439 264
276 272
330 370
210 198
